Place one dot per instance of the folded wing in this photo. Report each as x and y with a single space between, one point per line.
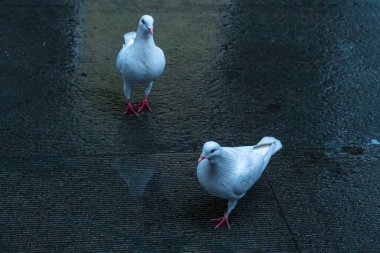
258 160
129 38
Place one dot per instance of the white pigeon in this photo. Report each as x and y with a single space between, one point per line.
140 61
229 172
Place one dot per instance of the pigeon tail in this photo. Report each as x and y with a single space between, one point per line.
267 147
129 38
267 143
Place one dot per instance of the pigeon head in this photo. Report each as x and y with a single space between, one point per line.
210 150
146 24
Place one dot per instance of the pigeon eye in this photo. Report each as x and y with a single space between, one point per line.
142 20
212 151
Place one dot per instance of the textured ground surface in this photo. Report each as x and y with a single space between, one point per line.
76 175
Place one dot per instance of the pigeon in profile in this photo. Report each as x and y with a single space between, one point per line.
140 61
229 172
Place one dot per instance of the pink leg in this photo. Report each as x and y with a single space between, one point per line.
222 220
129 108
144 104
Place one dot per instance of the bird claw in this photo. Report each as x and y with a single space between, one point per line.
222 220
143 105
129 109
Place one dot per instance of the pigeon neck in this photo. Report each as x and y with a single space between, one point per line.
144 38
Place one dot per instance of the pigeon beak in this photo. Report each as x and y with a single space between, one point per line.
150 30
202 157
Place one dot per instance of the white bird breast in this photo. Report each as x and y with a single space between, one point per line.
143 69
213 183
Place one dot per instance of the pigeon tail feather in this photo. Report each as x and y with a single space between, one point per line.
269 141
267 147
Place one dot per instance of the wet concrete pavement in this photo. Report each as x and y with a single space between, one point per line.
75 175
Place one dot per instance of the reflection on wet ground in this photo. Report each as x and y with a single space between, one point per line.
77 175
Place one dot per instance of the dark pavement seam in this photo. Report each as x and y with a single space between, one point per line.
283 214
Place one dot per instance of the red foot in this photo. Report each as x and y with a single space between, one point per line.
144 104
222 220
129 108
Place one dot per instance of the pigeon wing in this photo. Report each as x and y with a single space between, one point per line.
129 39
248 175
257 161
